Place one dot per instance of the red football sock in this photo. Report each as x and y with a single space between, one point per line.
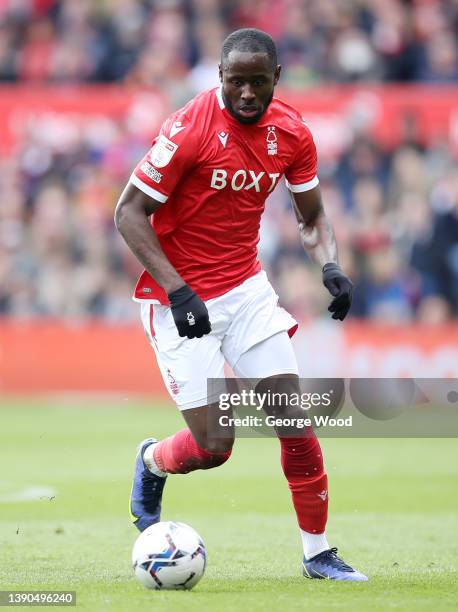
302 464
180 454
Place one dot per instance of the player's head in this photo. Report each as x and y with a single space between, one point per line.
248 72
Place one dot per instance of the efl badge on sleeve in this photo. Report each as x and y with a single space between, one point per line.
162 152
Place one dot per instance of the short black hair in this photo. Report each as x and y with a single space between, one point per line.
251 40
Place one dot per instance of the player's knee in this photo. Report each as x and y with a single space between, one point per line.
220 458
283 385
217 451
214 459
219 446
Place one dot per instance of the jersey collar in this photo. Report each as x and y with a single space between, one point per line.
219 97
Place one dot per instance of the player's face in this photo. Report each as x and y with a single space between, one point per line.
248 82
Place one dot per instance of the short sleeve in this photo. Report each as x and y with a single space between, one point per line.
173 153
302 173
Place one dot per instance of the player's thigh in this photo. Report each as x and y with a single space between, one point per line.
186 364
256 317
271 367
271 356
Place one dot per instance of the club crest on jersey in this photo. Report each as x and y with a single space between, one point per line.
271 138
162 152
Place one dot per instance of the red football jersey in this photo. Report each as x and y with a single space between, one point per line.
213 175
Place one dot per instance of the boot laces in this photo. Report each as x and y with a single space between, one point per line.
336 560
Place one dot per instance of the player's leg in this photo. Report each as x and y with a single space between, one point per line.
301 455
203 445
257 346
185 366
195 447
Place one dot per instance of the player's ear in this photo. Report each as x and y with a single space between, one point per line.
220 73
277 74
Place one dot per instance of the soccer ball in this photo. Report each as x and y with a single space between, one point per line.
169 555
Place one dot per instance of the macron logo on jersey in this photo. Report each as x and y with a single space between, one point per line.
176 128
244 179
223 136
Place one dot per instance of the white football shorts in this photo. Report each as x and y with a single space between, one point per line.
241 319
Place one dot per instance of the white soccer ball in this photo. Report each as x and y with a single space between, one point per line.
169 555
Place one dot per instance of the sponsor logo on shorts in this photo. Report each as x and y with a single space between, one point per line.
148 169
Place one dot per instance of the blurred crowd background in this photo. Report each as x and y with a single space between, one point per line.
170 41
395 210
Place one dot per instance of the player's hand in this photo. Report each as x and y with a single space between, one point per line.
189 312
340 287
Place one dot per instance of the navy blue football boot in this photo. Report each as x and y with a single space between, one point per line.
146 495
329 566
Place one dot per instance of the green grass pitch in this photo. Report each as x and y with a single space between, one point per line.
393 514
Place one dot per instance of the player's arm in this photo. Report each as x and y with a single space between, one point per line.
132 221
316 232
319 242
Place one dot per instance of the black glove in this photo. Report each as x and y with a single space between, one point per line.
340 287
189 312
